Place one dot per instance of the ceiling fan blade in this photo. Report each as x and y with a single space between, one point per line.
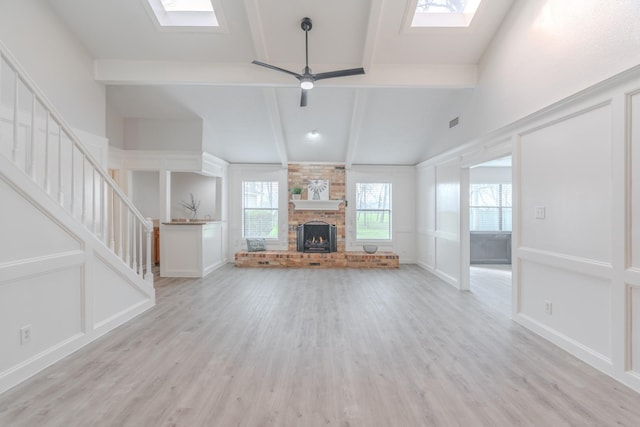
273 67
339 73
303 97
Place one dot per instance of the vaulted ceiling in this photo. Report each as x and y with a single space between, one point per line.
416 79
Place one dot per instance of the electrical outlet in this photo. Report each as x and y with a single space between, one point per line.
548 307
25 334
540 212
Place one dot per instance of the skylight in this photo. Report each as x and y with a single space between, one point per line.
184 13
444 13
187 5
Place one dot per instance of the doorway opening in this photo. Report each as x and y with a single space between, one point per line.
490 227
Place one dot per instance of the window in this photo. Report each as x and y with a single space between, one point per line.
373 211
186 14
490 207
444 13
187 5
260 209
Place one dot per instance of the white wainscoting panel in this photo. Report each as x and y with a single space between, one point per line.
447 222
634 148
50 302
580 304
447 255
448 198
634 327
425 216
113 293
566 171
181 251
30 232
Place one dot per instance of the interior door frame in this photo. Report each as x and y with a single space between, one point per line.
498 151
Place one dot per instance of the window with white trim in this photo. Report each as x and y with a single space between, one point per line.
373 211
260 209
490 207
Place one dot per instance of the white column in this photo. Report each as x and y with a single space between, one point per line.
164 198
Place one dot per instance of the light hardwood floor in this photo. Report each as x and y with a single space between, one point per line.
491 284
299 347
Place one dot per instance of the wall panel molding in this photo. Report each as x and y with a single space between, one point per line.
568 262
36 266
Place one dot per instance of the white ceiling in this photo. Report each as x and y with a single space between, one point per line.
251 114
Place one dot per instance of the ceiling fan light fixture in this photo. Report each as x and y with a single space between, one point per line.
307 78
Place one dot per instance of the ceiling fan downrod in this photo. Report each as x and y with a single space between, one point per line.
306 26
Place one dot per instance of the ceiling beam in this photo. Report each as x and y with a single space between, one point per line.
257 30
277 126
368 54
127 72
357 118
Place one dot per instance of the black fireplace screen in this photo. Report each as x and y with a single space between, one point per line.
317 237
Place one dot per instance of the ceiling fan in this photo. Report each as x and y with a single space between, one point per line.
307 78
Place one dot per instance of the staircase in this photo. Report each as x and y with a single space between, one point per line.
75 254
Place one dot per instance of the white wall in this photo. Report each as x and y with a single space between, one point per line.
56 61
425 216
402 179
543 91
574 186
582 256
114 127
145 193
203 189
545 51
438 219
576 256
151 134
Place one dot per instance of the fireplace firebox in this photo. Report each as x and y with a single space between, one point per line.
317 237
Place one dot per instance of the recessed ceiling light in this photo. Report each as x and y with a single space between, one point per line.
313 135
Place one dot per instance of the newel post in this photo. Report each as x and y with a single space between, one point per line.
148 275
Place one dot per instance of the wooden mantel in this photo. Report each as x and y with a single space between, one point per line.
317 205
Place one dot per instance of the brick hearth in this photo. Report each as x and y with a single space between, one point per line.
284 259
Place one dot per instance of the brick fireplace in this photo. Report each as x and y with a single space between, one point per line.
299 176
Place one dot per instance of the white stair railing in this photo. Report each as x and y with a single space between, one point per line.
39 142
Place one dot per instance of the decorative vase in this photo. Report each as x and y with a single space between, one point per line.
370 249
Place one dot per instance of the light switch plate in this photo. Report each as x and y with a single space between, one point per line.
540 212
